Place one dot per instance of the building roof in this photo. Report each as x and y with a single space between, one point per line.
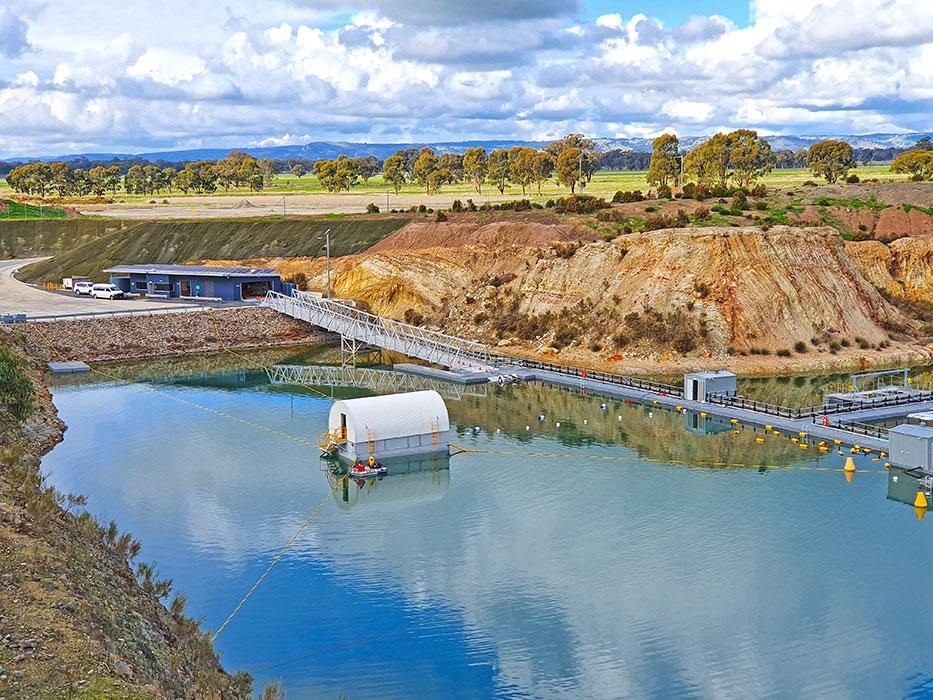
920 431
197 270
392 415
710 374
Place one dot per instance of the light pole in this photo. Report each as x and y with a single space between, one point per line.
327 253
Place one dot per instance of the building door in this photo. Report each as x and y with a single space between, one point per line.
185 288
695 389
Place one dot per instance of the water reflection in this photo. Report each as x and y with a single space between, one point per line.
615 555
412 479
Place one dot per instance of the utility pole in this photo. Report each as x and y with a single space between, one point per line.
581 170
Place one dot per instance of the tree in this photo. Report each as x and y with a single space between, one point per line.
438 178
830 159
749 156
168 178
134 182
588 146
543 168
709 161
298 170
664 167
423 167
568 168
394 171
474 165
522 166
916 163
98 180
184 181
366 167
61 178
267 168
497 169
452 162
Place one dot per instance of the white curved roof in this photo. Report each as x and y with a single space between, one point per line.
392 415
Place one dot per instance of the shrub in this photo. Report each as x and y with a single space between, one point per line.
457 206
800 347
761 206
845 343
695 191
809 183
678 329
372 208
16 391
651 209
549 204
664 192
413 317
659 221
740 202
565 250
470 205
622 197
783 352
701 214
422 209
580 204
501 278
852 179
862 343
759 190
440 216
299 279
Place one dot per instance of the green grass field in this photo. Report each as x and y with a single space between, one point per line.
15 210
604 183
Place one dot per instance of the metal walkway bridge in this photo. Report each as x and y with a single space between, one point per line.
369 329
370 378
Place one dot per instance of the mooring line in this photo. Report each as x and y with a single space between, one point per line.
278 556
178 399
458 449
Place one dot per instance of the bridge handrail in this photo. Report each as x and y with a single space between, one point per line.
597 375
815 411
378 324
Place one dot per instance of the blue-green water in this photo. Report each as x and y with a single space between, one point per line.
618 563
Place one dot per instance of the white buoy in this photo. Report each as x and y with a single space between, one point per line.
540 419
603 406
498 431
585 421
475 428
620 417
527 427
894 478
557 424
651 414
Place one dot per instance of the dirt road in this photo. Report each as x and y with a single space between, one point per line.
18 297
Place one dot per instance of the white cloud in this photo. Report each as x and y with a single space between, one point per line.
123 78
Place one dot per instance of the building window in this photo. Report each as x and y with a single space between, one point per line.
161 287
140 286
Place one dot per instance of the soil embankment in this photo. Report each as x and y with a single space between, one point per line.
168 242
904 268
128 337
79 615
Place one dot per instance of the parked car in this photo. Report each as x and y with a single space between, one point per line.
83 288
106 291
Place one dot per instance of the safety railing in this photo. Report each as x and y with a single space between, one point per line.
858 428
819 411
408 339
332 438
584 374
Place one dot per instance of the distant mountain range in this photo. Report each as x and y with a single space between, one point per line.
331 149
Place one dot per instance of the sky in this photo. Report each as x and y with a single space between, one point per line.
142 76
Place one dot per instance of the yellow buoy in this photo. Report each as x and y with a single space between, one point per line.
850 465
882 454
803 445
821 443
776 432
734 421
802 434
679 408
703 414
769 427
921 500
736 432
887 465
876 459
824 448
837 442
794 440
866 450
840 453
759 439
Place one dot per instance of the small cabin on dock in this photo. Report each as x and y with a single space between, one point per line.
391 425
911 446
698 386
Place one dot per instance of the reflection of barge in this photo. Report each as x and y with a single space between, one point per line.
418 478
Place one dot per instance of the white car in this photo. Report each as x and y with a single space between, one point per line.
106 291
83 288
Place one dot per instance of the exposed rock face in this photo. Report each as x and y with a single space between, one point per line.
903 268
752 288
884 224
